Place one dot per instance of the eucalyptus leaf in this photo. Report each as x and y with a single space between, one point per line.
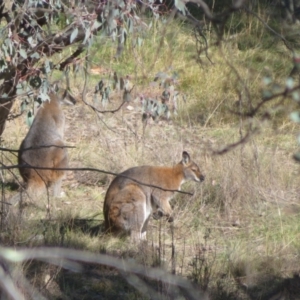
289 83
23 53
47 66
3 65
267 80
96 25
74 34
296 96
87 35
43 97
19 89
130 25
10 46
266 94
29 118
180 5
23 106
4 48
295 116
32 42
35 55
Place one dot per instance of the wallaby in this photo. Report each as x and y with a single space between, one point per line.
128 204
43 146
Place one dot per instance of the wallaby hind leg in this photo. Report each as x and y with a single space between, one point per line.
130 218
35 188
61 162
57 192
137 220
128 211
144 229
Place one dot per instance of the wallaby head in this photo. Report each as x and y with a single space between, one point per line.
43 147
191 170
136 193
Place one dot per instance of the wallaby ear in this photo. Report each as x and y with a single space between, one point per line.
185 158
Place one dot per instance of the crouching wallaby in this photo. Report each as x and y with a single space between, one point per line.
129 204
43 147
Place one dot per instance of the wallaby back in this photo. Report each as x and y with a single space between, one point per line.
128 203
43 147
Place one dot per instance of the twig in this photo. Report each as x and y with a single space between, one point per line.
64 257
93 170
34 148
234 145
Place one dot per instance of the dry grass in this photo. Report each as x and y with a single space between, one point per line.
241 224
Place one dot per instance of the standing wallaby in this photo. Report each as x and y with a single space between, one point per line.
128 204
43 146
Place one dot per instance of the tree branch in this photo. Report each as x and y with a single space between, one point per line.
26 166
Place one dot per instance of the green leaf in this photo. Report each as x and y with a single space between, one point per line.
9 44
96 25
3 65
23 106
111 21
267 80
140 41
289 83
29 118
295 116
43 97
87 35
123 35
296 96
73 35
4 48
130 25
19 89
23 53
180 5
32 42
35 55
267 94
47 67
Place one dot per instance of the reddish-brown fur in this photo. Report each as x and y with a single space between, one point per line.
128 205
46 130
